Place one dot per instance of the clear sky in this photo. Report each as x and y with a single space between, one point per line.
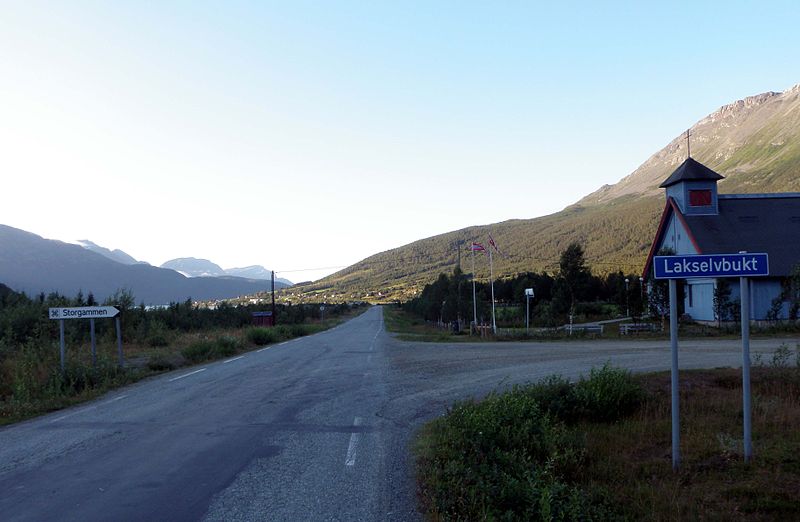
301 135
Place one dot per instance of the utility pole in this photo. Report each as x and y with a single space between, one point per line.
274 317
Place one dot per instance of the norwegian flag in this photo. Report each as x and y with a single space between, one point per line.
494 245
477 247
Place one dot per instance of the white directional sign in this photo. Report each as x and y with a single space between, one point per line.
83 312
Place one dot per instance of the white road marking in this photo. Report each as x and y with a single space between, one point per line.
372 344
83 410
88 408
187 374
352 448
115 399
234 359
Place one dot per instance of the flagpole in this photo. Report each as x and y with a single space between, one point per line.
474 302
491 279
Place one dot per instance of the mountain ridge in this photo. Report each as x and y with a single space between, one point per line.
32 264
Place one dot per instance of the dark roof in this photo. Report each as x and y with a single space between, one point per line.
758 223
691 170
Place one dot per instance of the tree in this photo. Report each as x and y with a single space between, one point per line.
792 292
658 293
573 278
722 301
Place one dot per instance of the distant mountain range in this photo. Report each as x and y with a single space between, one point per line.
753 142
116 255
32 264
193 267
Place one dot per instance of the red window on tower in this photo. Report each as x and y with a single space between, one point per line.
699 198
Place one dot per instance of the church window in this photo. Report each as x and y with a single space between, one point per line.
700 198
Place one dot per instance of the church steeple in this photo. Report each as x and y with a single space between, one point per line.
694 187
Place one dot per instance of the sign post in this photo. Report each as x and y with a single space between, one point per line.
744 285
85 312
673 343
741 265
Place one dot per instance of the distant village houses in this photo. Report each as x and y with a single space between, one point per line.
698 220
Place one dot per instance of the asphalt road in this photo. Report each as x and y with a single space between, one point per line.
317 428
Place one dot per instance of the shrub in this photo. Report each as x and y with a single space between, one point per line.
501 458
160 363
556 395
282 332
260 336
299 330
780 359
608 394
199 351
157 334
511 456
226 346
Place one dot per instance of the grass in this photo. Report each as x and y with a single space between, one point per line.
618 467
36 384
411 328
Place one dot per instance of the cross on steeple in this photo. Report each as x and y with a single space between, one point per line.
688 145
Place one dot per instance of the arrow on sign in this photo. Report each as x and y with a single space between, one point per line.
83 312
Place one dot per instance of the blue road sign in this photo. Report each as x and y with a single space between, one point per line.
712 265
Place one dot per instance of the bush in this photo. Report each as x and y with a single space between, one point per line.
282 332
300 330
227 345
205 350
157 334
556 396
160 363
198 351
502 458
608 394
260 336
511 456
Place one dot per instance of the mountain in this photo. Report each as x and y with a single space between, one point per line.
31 264
115 255
753 142
193 267
256 272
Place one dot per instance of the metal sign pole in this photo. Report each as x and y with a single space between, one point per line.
94 344
673 338
119 342
744 285
63 347
528 295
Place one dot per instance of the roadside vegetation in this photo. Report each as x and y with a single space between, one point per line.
599 449
154 341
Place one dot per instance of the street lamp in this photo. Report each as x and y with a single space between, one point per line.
528 296
627 299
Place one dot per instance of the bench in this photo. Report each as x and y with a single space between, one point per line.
627 329
588 328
